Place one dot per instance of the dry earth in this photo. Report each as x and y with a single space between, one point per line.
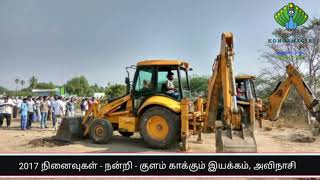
282 136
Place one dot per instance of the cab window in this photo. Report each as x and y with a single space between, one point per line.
144 80
162 79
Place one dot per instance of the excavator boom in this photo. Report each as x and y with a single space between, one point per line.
280 93
234 136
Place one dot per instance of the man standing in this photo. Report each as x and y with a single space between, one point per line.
53 116
30 104
64 106
6 110
70 107
84 107
19 102
58 111
38 111
44 108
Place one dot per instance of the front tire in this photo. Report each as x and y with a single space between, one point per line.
159 127
101 131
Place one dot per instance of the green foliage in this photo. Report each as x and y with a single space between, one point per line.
199 84
97 89
23 93
44 85
3 90
79 86
116 90
14 93
33 81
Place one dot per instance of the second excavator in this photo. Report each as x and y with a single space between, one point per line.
162 109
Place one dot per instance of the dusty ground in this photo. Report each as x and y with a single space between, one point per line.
277 137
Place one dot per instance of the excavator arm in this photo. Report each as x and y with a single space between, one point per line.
280 93
222 80
234 136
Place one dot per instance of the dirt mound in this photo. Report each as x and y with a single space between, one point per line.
302 138
299 137
46 142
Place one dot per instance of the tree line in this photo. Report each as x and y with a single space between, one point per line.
81 87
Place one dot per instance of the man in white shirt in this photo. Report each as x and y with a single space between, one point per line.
19 102
30 105
6 110
57 107
170 89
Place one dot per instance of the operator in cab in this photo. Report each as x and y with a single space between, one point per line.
240 93
171 90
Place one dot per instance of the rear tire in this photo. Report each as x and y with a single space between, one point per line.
126 134
101 131
159 127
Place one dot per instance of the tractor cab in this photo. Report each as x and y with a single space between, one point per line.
245 88
167 78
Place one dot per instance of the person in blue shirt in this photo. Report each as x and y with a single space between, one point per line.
24 114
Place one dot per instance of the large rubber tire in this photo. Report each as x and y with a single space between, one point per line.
159 127
101 131
126 134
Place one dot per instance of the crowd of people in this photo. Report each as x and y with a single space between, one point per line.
42 109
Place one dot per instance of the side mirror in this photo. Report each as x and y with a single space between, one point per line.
127 85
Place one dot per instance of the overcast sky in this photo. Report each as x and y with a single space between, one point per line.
56 40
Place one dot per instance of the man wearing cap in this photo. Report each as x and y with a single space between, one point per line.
171 90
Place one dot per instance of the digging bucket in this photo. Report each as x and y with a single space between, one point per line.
69 130
235 141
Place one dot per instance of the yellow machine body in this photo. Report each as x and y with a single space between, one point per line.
162 119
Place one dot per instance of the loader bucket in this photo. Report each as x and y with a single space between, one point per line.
69 130
235 141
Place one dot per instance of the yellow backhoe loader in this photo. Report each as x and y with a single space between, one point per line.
158 104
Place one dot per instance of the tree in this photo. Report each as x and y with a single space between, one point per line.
312 51
199 84
33 81
79 86
43 85
280 55
3 90
300 55
116 90
22 82
97 89
17 81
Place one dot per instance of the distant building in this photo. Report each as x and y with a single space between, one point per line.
49 92
98 95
